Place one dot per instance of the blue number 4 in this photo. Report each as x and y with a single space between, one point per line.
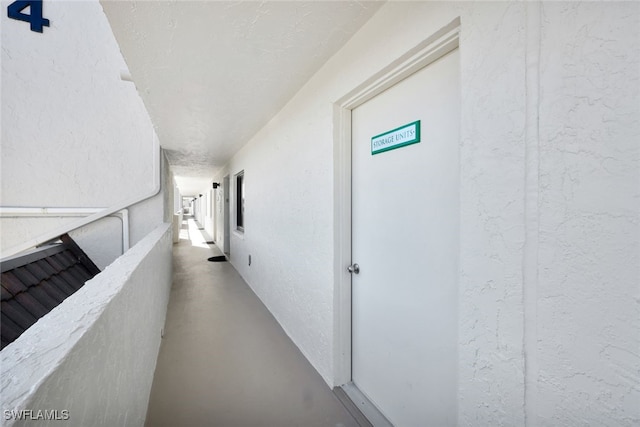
14 10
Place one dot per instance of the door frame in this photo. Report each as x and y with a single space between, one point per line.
431 49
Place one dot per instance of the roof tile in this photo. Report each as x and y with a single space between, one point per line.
12 283
32 285
25 276
17 313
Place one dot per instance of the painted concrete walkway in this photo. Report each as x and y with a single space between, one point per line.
224 360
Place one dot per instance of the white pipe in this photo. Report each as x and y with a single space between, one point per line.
125 229
30 212
17 212
54 234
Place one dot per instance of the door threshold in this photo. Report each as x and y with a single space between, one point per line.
360 407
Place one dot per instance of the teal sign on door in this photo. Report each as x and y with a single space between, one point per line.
396 138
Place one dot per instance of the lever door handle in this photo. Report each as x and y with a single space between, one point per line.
354 269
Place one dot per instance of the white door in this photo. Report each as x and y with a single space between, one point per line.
405 229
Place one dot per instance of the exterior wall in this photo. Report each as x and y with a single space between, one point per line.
210 213
96 351
198 205
146 215
102 240
73 133
548 327
587 323
203 210
107 233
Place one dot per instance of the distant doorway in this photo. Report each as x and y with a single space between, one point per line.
215 194
227 220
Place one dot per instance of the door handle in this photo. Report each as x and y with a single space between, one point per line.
354 269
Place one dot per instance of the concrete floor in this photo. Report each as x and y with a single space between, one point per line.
224 360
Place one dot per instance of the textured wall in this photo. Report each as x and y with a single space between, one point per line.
97 351
101 240
289 190
73 133
549 257
588 296
492 157
146 215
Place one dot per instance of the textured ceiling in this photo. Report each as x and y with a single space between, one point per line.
212 73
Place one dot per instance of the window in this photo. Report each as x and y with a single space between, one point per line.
240 201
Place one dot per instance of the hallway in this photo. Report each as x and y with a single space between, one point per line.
224 360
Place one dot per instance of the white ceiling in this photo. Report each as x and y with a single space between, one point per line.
212 73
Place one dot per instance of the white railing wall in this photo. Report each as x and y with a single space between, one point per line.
93 357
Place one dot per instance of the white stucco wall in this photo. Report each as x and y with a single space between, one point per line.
102 240
146 215
73 133
588 287
210 213
549 279
95 354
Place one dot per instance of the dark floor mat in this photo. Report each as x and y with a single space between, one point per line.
210 242
220 258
